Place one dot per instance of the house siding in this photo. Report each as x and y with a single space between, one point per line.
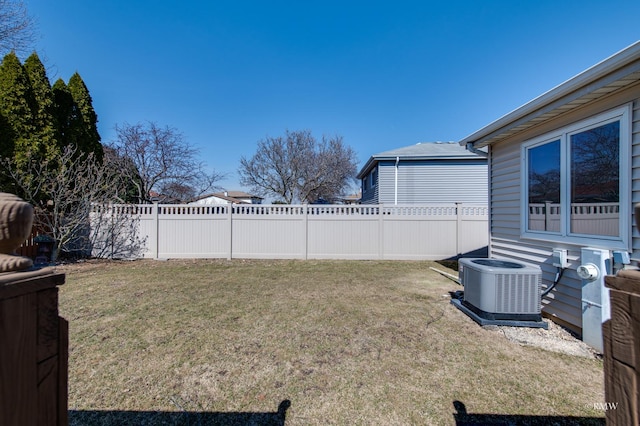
564 302
370 195
635 173
433 181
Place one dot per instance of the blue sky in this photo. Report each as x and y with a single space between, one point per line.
383 75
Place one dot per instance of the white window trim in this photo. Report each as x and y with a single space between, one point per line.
621 242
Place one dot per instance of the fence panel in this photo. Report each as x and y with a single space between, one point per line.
473 228
343 232
420 232
433 231
268 232
585 218
189 231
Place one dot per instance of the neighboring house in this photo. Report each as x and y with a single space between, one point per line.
351 198
433 172
564 171
156 197
228 197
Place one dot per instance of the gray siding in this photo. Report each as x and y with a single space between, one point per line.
433 182
370 195
564 303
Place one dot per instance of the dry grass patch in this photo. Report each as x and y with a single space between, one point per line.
345 342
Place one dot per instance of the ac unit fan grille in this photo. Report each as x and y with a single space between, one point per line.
518 293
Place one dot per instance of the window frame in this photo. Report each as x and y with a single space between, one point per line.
622 241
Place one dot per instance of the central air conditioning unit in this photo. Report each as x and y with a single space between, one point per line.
500 292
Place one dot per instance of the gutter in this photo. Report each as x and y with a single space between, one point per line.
475 150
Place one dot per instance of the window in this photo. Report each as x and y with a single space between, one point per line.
571 181
370 180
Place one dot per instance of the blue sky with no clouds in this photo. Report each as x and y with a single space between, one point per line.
382 74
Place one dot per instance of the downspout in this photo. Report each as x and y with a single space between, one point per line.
475 150
469 147
396 183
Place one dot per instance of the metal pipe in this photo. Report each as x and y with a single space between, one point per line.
475 150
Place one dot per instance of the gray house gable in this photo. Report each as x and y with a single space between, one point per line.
431 172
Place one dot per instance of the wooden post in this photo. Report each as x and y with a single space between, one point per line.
34 350
621 335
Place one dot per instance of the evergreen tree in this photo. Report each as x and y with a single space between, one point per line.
37 121
85 129
16 107
66 113
45 123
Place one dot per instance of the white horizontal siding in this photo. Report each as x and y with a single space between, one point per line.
635 174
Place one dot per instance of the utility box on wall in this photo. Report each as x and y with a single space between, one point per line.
595 265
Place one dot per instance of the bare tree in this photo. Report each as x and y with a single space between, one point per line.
16 27
65 191
332 170
158 158
114 231
298 168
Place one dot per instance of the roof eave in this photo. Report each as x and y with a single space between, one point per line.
366 168
376 159
572 92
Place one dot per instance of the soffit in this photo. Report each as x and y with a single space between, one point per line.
556 112
608 77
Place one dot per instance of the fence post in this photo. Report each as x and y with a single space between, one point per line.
458 227
156 230
380 232
305 211
230 229
547 215
113 211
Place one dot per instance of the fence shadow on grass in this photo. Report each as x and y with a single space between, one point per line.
452 262
178 418
463 418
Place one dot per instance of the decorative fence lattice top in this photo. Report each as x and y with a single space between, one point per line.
293 209
427 231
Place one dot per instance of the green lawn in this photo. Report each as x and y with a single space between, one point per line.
330 342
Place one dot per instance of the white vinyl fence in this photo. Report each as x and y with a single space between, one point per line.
585 218
433 231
